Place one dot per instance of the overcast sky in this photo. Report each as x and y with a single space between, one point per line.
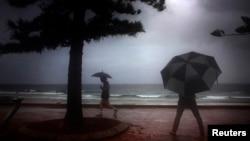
184 26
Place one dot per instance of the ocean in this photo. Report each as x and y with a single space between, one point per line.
222 93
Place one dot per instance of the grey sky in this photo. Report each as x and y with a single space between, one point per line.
184 26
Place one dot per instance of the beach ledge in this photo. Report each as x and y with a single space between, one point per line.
93 129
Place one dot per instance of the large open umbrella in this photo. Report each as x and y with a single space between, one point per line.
101 74
191 72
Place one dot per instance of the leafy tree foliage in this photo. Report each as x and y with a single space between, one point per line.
241 30
71 23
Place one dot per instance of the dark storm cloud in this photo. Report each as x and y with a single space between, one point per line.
49 67
184 26
230 6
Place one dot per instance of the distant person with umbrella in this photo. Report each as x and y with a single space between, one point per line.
188 74
105 87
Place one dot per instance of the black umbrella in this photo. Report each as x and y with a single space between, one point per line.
101 74
190 73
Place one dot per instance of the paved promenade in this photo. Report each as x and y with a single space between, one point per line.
148 123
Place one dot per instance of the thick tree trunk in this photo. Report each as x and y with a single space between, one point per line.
74 114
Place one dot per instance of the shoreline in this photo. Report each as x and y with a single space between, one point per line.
129 102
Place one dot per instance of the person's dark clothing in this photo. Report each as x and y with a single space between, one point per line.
105 90
187 101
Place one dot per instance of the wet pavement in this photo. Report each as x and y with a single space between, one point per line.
148 123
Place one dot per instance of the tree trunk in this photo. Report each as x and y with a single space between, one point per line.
74 114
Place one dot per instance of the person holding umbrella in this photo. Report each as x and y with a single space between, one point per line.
188 74
105 87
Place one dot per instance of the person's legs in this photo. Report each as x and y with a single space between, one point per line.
179 112
196 113
114 109
101 107
107 103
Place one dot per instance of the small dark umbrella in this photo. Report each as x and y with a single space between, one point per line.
101 74
190 72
